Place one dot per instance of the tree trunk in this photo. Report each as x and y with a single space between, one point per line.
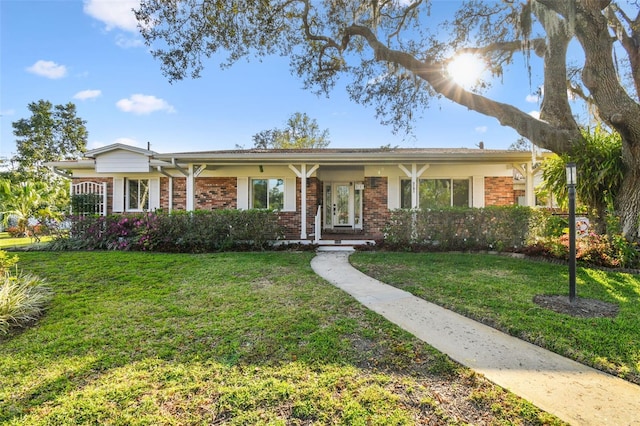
628 200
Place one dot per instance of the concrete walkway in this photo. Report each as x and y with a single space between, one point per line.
573 392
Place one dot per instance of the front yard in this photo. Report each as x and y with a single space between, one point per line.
500 291
230 338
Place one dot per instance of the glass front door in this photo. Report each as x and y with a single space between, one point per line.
343 205
342 202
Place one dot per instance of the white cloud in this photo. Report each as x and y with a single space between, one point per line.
535 114
48 69
87 94
128 42
533 98
144 104
7 112
481 129
113 13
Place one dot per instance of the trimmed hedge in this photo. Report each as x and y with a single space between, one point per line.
186 232
491 228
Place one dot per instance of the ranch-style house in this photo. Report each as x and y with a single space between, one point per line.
315 191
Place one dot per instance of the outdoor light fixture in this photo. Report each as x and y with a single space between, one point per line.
571 174
572 180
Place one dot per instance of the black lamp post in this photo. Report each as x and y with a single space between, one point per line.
572 179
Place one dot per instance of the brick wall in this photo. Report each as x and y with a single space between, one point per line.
290 221
375 208
179 193
216 193
498 191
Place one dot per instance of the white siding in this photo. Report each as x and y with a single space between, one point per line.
121 161
477 186
290 194
118 194
243 193
393 199
154 194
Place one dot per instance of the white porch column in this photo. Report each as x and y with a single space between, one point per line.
526 170
190 189
170 194
303 201
414 174
303 174
530 192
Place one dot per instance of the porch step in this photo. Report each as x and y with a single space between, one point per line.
336 248
345 242
327 243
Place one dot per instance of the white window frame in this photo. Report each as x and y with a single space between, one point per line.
450 179
269 187
128 197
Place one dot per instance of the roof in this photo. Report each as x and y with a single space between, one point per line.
118 146
325 156
348 155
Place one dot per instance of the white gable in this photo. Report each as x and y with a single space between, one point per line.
121 161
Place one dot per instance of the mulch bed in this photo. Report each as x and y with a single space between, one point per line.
582 308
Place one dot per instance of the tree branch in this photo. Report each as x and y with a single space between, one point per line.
541 133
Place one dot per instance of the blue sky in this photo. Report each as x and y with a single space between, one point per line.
89 53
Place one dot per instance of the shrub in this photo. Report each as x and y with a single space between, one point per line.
198 231
7 262
14 232
85 204
610 251
22 299
490 228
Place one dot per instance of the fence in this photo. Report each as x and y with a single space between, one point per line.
89 198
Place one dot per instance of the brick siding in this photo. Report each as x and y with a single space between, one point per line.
221 193
498 191
375 208
216 193
179 193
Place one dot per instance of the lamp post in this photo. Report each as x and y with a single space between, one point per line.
571 184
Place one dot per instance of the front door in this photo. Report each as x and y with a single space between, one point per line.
343 204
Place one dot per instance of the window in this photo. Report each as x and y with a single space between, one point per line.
405 194
267 194
137 194
436 193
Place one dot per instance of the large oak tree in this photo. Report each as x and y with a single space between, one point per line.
395 58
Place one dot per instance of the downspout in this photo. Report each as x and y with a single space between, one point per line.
60 173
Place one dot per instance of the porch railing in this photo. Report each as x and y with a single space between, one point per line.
317 226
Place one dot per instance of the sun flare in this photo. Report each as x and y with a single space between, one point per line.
465 69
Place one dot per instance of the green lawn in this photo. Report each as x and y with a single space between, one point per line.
8 242
235 338
499 291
